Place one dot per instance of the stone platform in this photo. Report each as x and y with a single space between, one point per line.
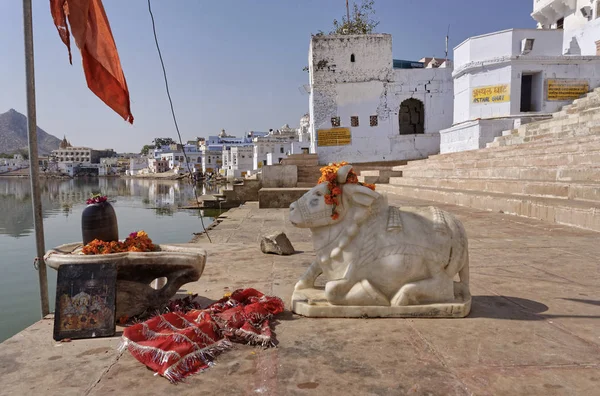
534 326
313 303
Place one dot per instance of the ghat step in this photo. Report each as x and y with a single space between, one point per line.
577 145
560 211
566 190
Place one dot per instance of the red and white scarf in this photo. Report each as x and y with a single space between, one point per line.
178 344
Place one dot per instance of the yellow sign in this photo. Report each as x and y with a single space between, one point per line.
334 137
491 94
566 88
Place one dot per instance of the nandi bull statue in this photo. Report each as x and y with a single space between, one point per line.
379 260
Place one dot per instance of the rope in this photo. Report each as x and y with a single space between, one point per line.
162 63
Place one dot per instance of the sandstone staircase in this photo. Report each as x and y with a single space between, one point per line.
549 170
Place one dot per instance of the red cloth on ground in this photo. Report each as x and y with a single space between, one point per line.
101 64
178 344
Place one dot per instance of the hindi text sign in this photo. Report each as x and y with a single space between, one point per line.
334 137
491 94
561 89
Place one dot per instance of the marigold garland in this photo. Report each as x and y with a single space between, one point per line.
136 242
96 199
329 176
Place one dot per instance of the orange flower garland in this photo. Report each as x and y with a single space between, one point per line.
136 242
329 176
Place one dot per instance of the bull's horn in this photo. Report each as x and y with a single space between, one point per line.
342 173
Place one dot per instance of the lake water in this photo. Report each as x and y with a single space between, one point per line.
140 204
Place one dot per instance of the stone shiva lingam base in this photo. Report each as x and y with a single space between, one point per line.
136 271
380 260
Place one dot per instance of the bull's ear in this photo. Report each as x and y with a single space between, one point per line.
361 195
342 173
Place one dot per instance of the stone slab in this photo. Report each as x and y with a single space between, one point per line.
312 303
521 338
279 197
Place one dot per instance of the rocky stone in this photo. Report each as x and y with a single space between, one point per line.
136 271
277 243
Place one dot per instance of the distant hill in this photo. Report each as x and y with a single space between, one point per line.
13 134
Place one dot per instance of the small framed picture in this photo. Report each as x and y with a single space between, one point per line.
85 301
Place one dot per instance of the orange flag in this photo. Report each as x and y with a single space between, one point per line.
101 64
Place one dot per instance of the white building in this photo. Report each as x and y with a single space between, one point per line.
212 158
579 20
14 163
512 77
71 160
137 166
176 155
237 160
365 107
214 147
278 143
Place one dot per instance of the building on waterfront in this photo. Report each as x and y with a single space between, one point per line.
157 165
73 160
237 160
138 165
14 163
273 147
175 156
508 78
217 156
365 106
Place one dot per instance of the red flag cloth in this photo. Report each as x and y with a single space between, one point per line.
101 64
179 344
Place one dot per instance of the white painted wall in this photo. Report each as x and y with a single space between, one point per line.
367 87
472 135
464 109
581 40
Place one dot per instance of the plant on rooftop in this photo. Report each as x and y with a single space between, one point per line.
361 20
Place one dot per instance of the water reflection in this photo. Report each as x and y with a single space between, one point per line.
141 204
60 196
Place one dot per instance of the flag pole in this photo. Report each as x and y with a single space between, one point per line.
34 169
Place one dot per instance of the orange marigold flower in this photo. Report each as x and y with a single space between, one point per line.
335 215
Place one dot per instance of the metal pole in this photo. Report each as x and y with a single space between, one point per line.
34 170
347 11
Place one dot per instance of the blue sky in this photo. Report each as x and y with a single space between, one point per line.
232 64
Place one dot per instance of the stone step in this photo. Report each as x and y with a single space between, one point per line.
578 156
377 176
564 174
565 190
589 157
306 184
571 145
559 211
279 197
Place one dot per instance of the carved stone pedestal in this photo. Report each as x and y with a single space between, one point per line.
136 271
313 303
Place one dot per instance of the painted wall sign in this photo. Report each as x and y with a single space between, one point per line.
560 89
334 137
491 94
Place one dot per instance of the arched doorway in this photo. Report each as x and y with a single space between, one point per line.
411 117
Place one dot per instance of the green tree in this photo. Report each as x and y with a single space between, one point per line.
160 142
24 153
146 149
361 20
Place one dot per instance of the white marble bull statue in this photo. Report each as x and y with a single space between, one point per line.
376 254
